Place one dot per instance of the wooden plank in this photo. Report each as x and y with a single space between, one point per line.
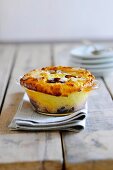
61 53
30 150
46 147
97 99
100 109
109 82
90 149
6 62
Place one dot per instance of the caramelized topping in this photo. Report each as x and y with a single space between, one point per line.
58 80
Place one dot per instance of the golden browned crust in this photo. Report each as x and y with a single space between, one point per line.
59 80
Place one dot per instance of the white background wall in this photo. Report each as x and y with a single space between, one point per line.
40 20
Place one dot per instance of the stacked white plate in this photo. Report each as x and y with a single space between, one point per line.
96 58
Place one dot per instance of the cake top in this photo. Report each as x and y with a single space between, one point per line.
58 80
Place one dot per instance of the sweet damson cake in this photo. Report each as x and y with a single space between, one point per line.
58 89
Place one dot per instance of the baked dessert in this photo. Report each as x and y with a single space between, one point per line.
58 89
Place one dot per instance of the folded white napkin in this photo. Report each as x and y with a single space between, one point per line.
27 119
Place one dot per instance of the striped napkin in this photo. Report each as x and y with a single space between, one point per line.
27 119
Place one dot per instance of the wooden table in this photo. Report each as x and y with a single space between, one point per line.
91 149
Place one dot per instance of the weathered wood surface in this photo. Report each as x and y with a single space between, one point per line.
92 148
7 53
30 151
27 150
109 82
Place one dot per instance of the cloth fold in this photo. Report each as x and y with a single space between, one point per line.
27 119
